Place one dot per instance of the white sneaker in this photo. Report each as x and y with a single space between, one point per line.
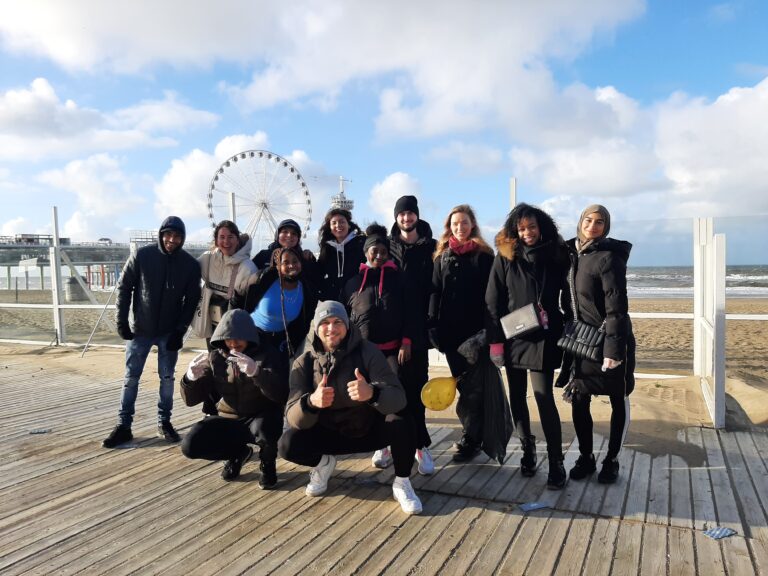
426 464
319 476
406 496
382 458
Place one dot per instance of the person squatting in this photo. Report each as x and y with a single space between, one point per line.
309 359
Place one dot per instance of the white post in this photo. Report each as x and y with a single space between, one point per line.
232 211
702 232
58 313
718 292
512 192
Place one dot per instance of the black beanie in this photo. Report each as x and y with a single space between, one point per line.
406 204
373 240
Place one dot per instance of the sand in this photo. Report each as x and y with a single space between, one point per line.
660 407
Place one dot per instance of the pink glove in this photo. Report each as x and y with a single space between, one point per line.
497 354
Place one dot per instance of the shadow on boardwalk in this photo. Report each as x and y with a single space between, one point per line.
70 506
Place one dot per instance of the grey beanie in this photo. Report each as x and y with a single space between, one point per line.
329 308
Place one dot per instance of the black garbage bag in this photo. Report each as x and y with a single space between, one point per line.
473 346
497 421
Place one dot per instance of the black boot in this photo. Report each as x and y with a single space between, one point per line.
268 467
609 473
466 449
585 465
556 476
528 461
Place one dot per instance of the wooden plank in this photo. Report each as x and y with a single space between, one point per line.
616 494
701 489
425 540
681 552
547 553
736 556
709 558
654 554
725 504
638 496
576 545
759 552
452 538
475 539
758 474
659 491
520 552
755 523
680 501
626 556
491 554
600 553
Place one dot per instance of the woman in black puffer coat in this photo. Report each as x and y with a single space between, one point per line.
599 279
462 263
530 268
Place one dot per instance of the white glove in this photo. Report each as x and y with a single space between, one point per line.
610 364
197 367
244 363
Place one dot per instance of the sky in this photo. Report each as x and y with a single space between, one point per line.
120 114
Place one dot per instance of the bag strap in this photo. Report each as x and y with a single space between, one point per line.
231 287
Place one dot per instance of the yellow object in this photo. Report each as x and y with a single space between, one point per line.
439 393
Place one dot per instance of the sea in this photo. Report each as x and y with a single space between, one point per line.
742 281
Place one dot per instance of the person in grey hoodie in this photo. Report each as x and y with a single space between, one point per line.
243 372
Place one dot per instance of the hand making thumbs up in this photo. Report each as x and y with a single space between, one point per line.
359 389
322 397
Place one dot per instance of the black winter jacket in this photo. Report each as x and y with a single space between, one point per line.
376 302
415 262
347 416
242 396
457 304
162 289
600 280
520 277
335 267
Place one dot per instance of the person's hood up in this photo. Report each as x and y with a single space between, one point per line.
172 223
288 223
423 230
352 340
236 325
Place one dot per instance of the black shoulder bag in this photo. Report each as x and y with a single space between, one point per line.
580 339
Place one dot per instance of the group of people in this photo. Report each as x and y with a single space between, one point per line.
310 358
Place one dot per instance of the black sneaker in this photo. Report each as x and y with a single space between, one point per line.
466 449
609 473
120 435
232 467
556 476
585 465
166 430
268 478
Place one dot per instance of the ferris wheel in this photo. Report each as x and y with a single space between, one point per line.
259 189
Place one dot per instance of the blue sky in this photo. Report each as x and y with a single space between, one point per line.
120 114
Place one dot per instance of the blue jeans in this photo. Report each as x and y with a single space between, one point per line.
136 352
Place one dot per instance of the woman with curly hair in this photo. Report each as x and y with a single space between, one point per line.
531 267
462 263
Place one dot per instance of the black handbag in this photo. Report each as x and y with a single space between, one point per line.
580 339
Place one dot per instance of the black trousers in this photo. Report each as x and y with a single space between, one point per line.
469 407
582 422
413 375
543 385
220 438
306 447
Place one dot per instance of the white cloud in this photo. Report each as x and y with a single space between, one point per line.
385 193
712 152
472 157
35 123
103 192
18 225
162 116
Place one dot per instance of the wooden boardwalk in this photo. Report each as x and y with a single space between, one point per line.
69 506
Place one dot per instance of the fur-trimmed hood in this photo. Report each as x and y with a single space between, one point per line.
506 245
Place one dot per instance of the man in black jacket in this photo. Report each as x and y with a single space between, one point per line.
411 248
161 286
